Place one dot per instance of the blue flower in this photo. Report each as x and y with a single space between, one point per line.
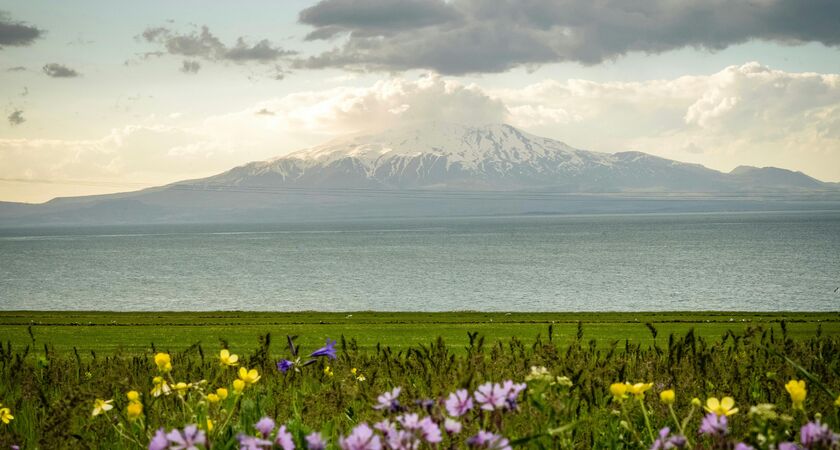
327 350
285 365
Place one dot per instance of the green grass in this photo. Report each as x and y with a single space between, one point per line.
135 332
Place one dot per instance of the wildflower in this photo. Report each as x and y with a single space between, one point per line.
452 426
228 359
101 406
328 350
743 446
159 441
134 410
409 421
638 390
189 439
817 435
160 387
797 391
696 402
252 443
402 440
430 431
458 403
488 440
359 376
249 376
285 365
562 381
788 446
6 415
209 425
163 361
181 387
385 427
362 438
222 393
618 391
714 424
265 426
284 439
388 400
238 386
491 396
667 397
538 374
512 392
213 398
314 441
327 371
132 396
722 407
667 441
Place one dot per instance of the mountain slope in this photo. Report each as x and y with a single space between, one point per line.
439 169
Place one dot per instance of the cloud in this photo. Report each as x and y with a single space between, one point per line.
474 36
16 118
190 66
205 45
14 33
60 71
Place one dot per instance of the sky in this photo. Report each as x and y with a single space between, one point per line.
103 96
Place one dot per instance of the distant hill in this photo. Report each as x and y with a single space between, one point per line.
438 169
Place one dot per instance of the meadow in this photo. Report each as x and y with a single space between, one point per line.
405 380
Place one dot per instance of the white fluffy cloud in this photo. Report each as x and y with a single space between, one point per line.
746 114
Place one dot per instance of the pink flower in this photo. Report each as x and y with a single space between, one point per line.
362 438
459 403
491 396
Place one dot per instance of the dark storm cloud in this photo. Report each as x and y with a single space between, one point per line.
468 36
14 33
16 118
60 71
190 66
204 44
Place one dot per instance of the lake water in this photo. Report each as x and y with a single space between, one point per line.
749 262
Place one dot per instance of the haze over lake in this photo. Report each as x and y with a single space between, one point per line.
732 261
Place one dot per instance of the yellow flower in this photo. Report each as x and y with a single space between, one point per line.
238 386
638 389
328 372
353 371
134 410
227 359
797 391
133 396
212 398
837 402
181 387
6 415
160 387
163 362
360 377
722 407
249 376
222 393
696 402
101 406
209 425
618 390
668 397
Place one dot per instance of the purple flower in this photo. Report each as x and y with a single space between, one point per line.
452 426
409 421
491 396
402 440
512 392
385 427
314 441
430 431
816 435
488 440
714 425
788 446
252 443
458 403
668 441
265 426
389 401
159 441
743 446
285 365
189 439
327 350
362 438
284 439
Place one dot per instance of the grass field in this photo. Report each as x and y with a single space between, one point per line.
135 332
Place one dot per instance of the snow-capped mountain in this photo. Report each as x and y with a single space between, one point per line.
440 169
493 157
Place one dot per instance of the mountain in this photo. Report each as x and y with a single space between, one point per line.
436 169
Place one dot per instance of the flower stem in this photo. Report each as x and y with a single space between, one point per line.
647 420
